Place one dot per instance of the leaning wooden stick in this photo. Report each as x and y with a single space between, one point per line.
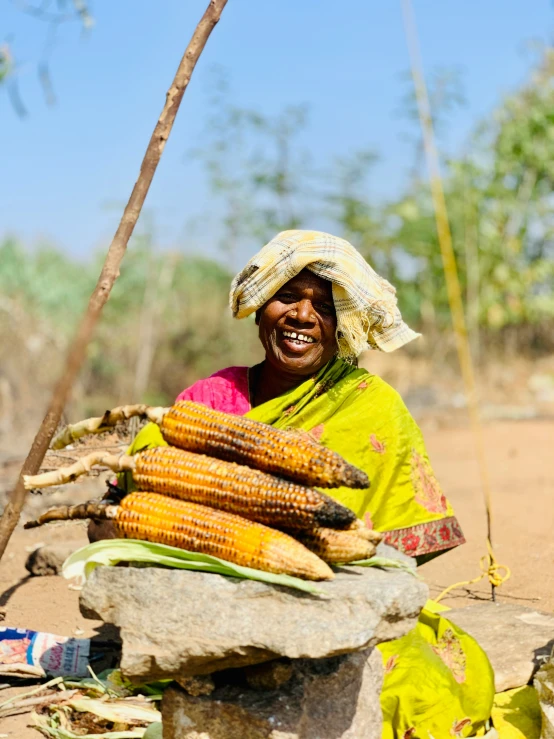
110 270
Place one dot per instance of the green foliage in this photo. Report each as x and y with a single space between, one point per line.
5 62
165 325
255 169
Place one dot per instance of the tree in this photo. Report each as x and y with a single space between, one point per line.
255 169
54 14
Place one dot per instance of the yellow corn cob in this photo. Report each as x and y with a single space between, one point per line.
157 518
336 546
362 530
237 489
288 453
194 427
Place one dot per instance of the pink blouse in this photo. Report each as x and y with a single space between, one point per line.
226 390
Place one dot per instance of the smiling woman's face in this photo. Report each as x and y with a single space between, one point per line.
298 324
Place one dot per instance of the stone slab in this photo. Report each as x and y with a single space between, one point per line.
516 639
184 623
336 698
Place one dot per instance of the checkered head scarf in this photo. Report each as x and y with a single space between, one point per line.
365 303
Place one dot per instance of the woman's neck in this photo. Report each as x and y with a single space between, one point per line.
267 383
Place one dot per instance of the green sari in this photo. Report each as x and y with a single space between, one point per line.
438 682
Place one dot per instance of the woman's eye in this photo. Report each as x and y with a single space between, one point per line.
286 297
326 308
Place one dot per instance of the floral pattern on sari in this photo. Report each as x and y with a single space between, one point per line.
391 663
449 649
317 432
427 491
378 446
425 538
459 726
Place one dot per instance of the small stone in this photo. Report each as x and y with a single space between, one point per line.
515 639
269 675
49 559
336 698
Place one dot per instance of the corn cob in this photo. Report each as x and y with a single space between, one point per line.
157 518
199 429
223 485
335 546
194 427
362 530
237 489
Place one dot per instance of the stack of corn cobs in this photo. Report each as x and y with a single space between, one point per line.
226 486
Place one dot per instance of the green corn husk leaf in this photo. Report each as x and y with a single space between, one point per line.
111 551
114 681
386 563
117 711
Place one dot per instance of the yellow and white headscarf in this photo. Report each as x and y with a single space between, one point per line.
367 313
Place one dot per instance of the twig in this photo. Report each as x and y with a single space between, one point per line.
98 425
22 706
110 270
29 693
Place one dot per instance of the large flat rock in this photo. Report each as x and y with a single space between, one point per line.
516 639
183 623
336 698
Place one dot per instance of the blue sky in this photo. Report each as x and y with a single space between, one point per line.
62 166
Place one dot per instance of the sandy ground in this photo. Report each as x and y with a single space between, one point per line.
520 460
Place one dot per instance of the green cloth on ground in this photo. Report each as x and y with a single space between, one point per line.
516 714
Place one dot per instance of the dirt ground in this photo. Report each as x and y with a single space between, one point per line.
519 455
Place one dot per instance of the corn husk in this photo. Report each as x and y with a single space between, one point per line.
385 563
111 551
120 711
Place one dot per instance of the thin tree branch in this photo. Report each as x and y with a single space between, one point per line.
110 270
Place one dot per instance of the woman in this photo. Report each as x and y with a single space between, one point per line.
318 305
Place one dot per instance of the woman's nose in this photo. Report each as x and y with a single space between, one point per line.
305 312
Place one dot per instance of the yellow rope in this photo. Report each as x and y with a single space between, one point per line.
454 295
489 568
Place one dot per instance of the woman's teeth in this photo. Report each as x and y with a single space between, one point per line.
298 337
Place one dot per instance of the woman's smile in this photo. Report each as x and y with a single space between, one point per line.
296 342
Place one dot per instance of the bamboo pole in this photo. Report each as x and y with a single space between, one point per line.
490 566
110 270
